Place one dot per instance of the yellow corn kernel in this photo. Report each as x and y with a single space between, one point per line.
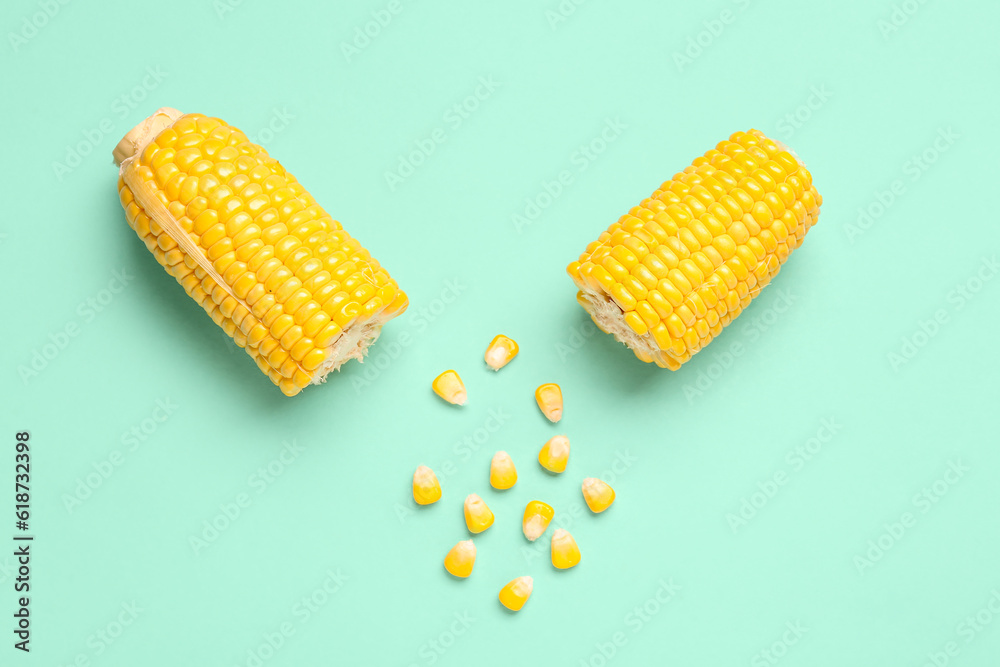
537 516
205 200
550 401
500 352
554 454
598 494
565 552
461 559
516 593
719 225
503 474
426 487
450 387
478 517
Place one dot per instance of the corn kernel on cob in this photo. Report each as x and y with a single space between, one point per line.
252 247
668 276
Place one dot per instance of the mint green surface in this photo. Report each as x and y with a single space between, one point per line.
817 488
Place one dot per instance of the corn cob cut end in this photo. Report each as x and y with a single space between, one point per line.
610 319
139 136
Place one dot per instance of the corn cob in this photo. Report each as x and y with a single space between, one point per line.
252 247
672 273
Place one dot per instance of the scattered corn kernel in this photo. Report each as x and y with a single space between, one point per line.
554 454
503 474
461 559
501 352
426 487
598 494
450 387
478 517
516 593
549 397
565 553
537 516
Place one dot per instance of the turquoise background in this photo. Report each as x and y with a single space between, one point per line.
672 573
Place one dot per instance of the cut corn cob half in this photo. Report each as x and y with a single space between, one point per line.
252 247
672 273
